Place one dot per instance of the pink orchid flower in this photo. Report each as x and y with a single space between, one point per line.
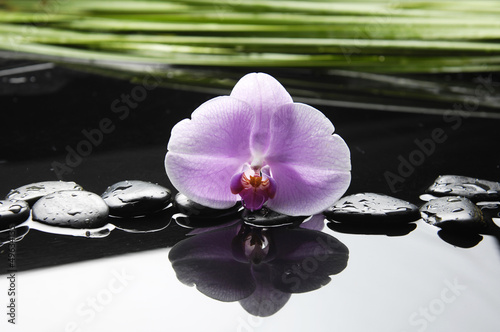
258 146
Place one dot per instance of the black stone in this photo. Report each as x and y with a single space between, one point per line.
32 192
13 213
491 213
193 222
136 198
195 210
453 213
71 208
268 218
471 188
369 207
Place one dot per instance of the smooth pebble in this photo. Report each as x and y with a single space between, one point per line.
472 188
71 208
136 198
453 213
34 191
13 212
268 218
195 210
365 207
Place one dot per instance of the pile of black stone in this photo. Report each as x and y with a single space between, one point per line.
462 207
458 205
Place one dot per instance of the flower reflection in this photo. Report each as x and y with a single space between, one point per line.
259 267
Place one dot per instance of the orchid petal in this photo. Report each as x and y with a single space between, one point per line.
236 185
264 94
311 166
315 223
208 149
253 199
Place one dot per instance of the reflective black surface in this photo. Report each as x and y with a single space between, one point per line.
389 284
258 267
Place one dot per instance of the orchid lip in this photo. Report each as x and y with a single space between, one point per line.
254 185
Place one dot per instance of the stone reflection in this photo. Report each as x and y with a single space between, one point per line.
14 234
259 267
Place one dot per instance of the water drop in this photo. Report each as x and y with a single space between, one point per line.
15 208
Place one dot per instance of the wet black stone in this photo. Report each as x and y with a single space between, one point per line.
491 213
136 198
13 212
268 218
453 213
195 210
71 208
369 207
472 188
193 222
32 192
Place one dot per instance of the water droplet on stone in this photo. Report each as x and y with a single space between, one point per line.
427 197
32 192
74 212
16 208
453 213
13 212
85 210
365 207
472 188
136 198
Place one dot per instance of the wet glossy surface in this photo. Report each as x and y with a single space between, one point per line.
268 218
472 188
71 208
263 267
135 198
366 207
13 212
453 213
33 191
120 277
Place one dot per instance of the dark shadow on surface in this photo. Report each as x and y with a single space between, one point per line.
460 239
468 236
373 228
39 249
258 267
